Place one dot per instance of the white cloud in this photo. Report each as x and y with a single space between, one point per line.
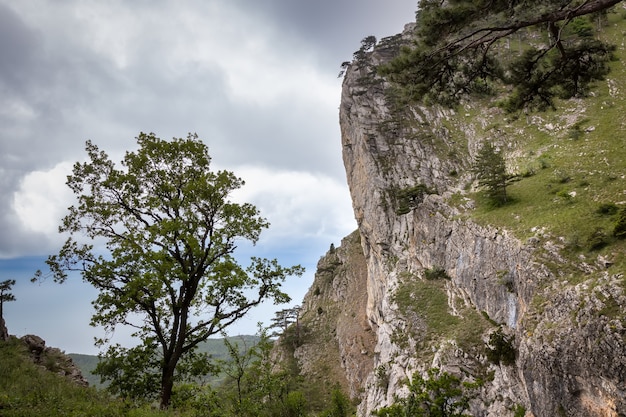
42 199
298 205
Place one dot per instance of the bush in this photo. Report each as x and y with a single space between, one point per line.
409 198
607 209
340 405
440 394
436 273
598 239
620 225
501 349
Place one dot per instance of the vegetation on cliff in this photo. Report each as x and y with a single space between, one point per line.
462 48
545 267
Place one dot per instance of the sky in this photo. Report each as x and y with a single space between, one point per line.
256 80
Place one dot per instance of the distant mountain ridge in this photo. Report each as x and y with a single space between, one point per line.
214 346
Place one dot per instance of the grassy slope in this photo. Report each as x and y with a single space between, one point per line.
30 390
577 158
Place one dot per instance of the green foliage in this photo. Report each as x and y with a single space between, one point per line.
435 273
411 197
519 411
133 373
463 48
501 349
29 390
598 239
562 76
619 231
340 406
171 231
440 394
581 26
5 294
425 302
607 209
490 169
382 376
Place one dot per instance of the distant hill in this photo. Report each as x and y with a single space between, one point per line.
214 347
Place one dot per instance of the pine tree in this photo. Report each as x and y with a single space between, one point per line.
490 170
462 48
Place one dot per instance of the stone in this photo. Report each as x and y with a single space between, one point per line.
53 359
36 345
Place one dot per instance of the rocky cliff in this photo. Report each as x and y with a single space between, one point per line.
441 274
53 359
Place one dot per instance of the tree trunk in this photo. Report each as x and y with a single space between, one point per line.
167 384
4 332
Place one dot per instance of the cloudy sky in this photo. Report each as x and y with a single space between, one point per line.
256 80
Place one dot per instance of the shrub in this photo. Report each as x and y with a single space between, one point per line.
500 349
410 198
519 411
436 273
340 405
598 239
620 225
607 209
440 394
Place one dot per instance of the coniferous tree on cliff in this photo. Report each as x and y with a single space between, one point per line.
462 46
167 268
5 296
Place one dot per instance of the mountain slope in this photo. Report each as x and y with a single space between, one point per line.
455 283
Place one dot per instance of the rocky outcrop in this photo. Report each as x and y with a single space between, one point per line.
407 170
53 359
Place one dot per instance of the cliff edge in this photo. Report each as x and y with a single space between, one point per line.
451 283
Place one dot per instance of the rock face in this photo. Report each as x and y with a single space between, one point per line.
335 344
404 166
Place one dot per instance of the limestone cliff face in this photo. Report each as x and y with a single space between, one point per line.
333 344
569 338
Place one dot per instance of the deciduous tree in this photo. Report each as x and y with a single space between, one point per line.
169 230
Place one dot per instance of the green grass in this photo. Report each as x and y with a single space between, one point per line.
28 390
573 160
428 300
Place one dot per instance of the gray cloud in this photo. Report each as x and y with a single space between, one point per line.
256 80
335 27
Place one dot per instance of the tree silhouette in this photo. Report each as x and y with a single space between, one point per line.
5 296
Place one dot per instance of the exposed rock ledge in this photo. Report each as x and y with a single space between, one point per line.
53 359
